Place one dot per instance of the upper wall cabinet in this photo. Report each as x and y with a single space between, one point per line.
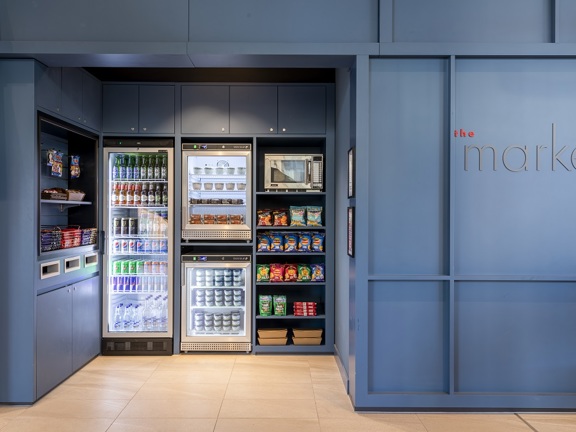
138 109
73 93
302 109
253 109
205 109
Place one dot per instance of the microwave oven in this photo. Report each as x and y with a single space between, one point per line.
294 172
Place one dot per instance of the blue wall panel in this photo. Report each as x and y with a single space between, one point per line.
408 165
513 219
566 20
472 21
407 337
296 21
515 337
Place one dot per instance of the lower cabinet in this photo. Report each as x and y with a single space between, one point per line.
67 332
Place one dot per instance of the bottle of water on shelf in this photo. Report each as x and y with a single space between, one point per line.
127 320
164 314
147 315
118 324
156 314
137 318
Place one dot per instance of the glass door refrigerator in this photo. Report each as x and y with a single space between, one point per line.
216 302
138 258
216 191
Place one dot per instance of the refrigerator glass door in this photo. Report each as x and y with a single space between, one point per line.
216 194
217 302
138 233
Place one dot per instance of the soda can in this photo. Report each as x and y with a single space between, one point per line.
132 267
139 267
116 247
138 283
154 246
125 267
132 245
163 246
132 226
124 226
155 267
147 246
117 226
126 283
124 245
139 246
113 283
132 283
147 267
117 267
163 268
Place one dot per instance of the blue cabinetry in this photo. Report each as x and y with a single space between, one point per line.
67 332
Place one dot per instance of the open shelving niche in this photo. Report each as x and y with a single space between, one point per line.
319 292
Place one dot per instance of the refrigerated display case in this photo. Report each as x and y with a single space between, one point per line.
138 279
216 302
216 191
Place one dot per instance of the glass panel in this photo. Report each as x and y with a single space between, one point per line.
217 190
289 171
138 242
217 301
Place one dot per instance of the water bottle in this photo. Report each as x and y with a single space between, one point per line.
136 318
127 320
164 314
156 314
118 317
147 315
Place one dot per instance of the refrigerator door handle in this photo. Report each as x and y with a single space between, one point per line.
103 242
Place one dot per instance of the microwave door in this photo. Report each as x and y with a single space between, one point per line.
290 171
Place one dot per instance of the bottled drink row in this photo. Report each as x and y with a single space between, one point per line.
138 284
148 223
139 194
152 315
140 167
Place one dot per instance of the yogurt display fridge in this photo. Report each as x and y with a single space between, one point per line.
216 191
216 302
138 259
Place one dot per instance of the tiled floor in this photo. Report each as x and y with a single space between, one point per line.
233 393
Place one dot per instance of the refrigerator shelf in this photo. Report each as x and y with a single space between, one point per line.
154 207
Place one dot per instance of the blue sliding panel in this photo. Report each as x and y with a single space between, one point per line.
408 166
407 342
515 337
514 209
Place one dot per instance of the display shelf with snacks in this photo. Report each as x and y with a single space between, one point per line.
294 245
68 194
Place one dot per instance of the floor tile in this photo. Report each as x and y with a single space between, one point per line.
179 390
105 376
337 407
378 423
172 408
551 422
267 425
191 376
45 424
329 390
104 391
74 408
162 425
124 363
473 423
9 411
270 391
269 409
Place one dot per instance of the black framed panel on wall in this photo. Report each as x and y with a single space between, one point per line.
351 173
350 225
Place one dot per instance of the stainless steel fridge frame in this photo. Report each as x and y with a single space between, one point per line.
216 232
216 342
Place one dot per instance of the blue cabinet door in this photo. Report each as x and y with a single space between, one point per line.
156 109
53 339
253 109
205 109
120 113
86 322
302 109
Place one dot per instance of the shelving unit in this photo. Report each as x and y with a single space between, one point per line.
321 293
